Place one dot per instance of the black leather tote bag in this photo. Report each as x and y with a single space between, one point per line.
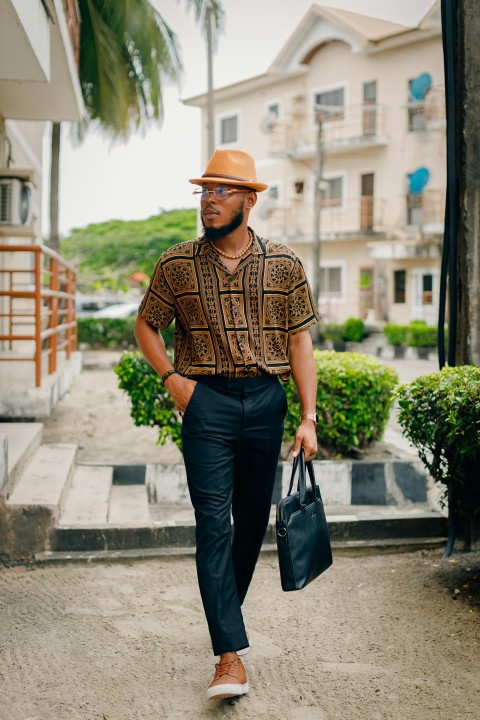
303 542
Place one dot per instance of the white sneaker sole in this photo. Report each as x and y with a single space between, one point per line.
225 691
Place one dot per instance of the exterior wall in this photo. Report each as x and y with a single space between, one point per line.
392 242
26 139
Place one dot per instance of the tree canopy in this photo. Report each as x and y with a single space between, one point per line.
107 253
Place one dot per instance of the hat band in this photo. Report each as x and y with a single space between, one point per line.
227 177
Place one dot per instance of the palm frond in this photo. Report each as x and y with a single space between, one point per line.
200 9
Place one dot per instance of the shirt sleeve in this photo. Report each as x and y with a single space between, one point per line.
158 304
302 312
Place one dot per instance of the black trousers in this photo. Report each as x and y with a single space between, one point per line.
232 432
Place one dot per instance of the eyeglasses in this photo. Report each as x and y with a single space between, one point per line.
220 192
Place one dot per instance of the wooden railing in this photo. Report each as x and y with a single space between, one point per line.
37 303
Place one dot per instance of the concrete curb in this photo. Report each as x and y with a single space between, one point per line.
342 482
348 547
426 525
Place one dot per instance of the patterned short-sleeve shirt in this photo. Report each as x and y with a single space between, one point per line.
231 324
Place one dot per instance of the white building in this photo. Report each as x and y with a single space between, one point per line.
39 45
375 89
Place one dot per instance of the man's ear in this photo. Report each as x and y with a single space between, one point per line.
251 200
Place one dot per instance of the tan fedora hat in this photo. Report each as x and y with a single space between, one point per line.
231 167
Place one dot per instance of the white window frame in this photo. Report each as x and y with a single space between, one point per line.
339 300
327 88
332 175
279 185
226 116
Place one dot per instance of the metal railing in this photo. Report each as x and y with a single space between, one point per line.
37 302
353 126
362 216
426 209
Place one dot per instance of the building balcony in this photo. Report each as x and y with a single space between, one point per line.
349 128
422 234
345 219
39 50
430 113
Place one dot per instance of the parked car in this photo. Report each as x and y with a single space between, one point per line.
120 310
88 305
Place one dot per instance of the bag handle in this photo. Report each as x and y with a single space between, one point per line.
300 465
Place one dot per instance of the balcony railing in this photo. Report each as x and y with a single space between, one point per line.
345 218
427 210
72 15
37 302
430 113
350 127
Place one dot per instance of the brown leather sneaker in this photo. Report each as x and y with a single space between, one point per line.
230 678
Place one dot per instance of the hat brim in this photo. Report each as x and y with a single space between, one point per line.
258 187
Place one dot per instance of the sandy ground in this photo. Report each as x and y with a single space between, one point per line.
375 638
96 416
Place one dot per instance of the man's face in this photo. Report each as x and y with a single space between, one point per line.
222 217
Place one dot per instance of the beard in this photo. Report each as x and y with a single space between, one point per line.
221 232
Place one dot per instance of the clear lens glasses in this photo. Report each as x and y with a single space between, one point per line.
220 192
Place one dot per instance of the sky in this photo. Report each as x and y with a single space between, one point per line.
130 181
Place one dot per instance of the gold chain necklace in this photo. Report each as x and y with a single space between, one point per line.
240 254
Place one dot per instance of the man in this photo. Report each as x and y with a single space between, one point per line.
242 307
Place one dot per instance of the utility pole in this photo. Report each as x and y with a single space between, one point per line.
211 128
318 175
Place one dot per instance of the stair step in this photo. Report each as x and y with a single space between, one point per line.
129 504
88 498
378 529
46 479
22 441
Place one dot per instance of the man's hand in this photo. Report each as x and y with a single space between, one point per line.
181 389
306 437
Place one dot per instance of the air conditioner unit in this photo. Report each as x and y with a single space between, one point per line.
16 207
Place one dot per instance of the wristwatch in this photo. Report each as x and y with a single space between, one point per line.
310 416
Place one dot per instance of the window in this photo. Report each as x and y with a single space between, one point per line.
331 280
299 187
273 110
416 111
273 192
332 192
229 129
427 290
335 99
414 208
399 286
369 109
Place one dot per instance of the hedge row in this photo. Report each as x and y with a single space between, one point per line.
417 334
113 333
353 401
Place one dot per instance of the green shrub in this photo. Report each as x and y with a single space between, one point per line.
151 403
354 396
440 415
421 335
353 330
396 334
333 332
113 333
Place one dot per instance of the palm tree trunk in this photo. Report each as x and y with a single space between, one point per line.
54 186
